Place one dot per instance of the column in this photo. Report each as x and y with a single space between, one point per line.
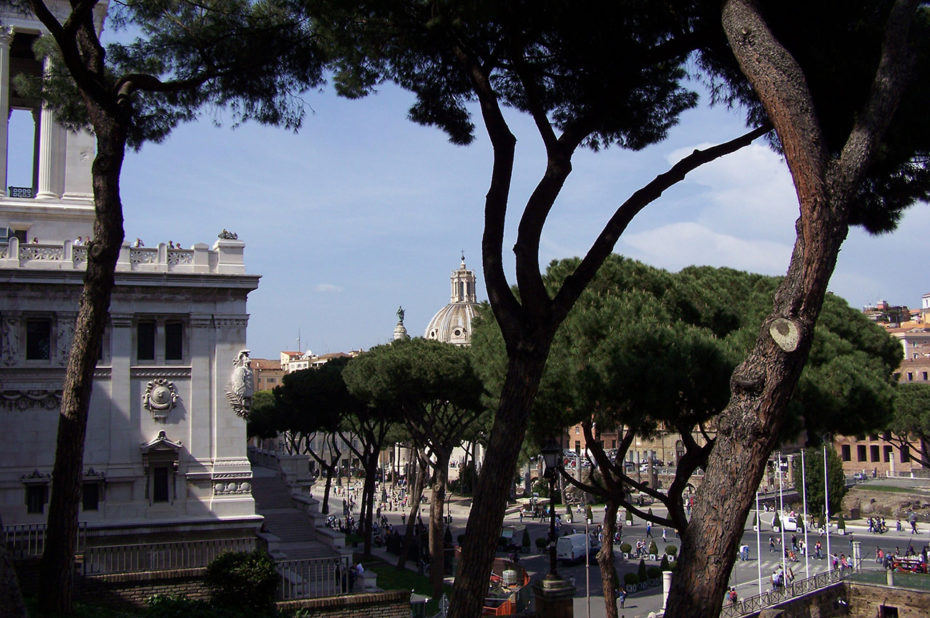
6 36
50 153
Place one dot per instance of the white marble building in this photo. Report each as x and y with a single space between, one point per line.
165 451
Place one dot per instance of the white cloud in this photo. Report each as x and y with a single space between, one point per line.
328 288
677 245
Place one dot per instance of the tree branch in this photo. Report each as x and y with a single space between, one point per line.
575 283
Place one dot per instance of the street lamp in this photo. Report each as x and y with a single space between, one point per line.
552 455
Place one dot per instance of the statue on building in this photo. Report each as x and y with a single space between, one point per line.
400 315
241 385
227 235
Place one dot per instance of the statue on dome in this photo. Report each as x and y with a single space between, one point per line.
400 315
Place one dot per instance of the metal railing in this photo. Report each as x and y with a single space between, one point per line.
313 577
28 540
160 556
795 589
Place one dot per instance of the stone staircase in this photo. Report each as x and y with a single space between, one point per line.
290 532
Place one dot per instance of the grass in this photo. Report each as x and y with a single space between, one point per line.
892 489
918 581
389 578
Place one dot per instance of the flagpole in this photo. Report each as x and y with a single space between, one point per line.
758 542
826 503
807 568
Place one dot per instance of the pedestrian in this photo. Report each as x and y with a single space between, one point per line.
621 596
649 529
664 535
732 595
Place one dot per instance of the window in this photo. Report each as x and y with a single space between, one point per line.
38 339
846 452
90 496
160 484
889 454
923 376
860 453
613 444
145 340
36 497
910 376
873 451
905 453
174 341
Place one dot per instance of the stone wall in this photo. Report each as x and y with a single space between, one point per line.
866 600
128 590
390 604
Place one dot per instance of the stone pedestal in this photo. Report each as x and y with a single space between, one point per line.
554 598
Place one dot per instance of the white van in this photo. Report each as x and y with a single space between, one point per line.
571 548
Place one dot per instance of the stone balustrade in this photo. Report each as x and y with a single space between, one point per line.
224 258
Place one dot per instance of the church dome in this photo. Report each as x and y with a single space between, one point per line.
452 323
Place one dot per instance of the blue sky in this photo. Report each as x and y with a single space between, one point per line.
363 211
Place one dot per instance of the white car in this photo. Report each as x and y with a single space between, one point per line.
790 523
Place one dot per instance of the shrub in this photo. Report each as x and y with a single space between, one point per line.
653 548
629 516
641 570
242 579
626 548
671 550
631 579
525 541
541 543
653 572
673 566
776 523
663 566
166 606
587 513
840 522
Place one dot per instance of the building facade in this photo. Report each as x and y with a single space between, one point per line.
165 449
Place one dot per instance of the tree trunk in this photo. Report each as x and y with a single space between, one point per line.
436 537
329 485
61 537
605 560
366 513
416 493
487 513
763 383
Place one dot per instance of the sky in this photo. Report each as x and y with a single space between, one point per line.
363 211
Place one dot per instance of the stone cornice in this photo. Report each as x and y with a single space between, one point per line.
160 371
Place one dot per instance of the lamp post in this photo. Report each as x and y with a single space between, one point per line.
551 455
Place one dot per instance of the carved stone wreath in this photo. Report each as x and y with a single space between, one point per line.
159 398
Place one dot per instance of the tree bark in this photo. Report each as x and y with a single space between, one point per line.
436 537
61 537
484 522
605 560
763 383
416 494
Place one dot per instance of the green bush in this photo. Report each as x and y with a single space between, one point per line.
663 566
626 548
629 517
673 566
641 570
166 606
654 572
671 550
776 523
840 522
631 579
653 548
525 541
541 543
587 513
246 580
